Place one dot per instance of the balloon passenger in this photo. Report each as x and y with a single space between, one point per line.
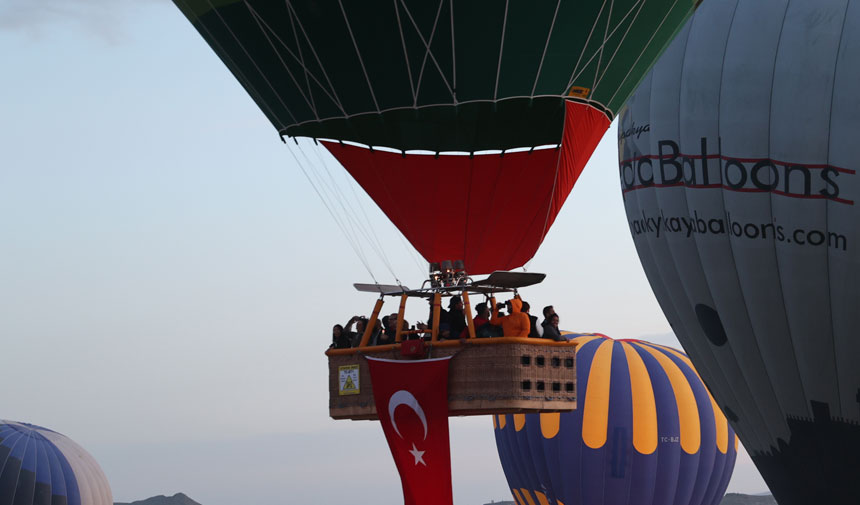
481 321
551 331
534 331
547 312
339 338
376 334
456 318
386 336
516 324
354 337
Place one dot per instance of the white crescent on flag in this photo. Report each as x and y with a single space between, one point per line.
404 397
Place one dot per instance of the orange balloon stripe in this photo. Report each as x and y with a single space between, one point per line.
720 421
595 415
541 498
688 410
550 424
502 421
517 497
644 405
519 421
495 423
581 341
527 496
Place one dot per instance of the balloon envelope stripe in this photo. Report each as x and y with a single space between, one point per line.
595 406
42 467
643 405
690 427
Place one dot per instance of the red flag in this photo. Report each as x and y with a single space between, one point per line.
412 403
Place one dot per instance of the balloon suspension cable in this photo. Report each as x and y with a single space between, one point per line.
365 227
355 247
348 216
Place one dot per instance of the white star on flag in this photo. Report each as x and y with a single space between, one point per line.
418 455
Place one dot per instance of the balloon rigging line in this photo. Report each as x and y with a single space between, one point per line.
367 230
428 106
301 55
240 74
427 48
552 191
342 218
603 45
265 31
608 36
405 53
384 186
334 217
537 212
574 75
453 53
546 46
599 79
250 58
347 216
501 51
313 50
358 53
644 46
422 268
261 23
427 52
351 185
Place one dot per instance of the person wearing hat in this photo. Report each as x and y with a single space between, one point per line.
516 323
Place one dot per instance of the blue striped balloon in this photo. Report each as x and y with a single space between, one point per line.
42 467
646 432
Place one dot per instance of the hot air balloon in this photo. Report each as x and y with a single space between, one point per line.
738 158
401 91
646 431
39 466
468 124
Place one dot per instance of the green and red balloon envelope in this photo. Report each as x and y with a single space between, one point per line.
646 432
522 90
738 164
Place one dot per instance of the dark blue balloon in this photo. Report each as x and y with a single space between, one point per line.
646 431
42 467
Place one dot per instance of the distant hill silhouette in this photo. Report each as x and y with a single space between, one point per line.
747 499
177 499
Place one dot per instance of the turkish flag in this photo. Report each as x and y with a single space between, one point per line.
412 404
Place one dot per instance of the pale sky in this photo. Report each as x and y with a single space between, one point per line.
169 279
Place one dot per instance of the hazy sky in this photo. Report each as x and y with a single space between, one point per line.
169 279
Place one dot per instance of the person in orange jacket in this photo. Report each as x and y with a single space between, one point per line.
516 324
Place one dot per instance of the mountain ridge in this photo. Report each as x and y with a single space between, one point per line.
177 499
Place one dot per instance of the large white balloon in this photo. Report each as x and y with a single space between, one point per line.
738 158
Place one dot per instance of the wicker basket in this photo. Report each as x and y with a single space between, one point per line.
501 378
